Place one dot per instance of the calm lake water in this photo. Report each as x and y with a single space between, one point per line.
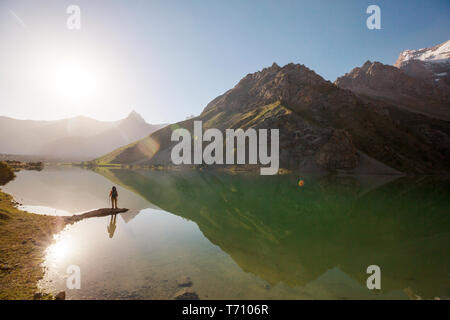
243 236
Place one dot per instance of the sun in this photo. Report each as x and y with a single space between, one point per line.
73 81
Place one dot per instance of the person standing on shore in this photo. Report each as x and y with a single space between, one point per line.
113 194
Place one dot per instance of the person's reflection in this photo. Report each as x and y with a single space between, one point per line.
112 225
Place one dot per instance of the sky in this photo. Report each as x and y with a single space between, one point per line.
168 59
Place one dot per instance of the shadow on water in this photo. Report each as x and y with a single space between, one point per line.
281 232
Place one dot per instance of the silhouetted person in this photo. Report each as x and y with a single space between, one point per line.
112 225
113 195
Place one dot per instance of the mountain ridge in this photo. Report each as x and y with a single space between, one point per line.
323 127
429 64
393 85
72 139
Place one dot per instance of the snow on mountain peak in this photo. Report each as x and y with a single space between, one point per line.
437 54
431 64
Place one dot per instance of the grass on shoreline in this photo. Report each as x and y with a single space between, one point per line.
23 239
6 173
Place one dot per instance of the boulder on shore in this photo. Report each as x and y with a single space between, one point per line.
186 294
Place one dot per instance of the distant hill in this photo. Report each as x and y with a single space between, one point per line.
323 127
75 139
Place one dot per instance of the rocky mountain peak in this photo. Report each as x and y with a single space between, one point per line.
134 116
367 70
366 65
416 85
429 64
291 84
436 54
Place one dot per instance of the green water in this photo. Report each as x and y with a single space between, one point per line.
246 236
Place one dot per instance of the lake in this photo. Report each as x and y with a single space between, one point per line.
244 236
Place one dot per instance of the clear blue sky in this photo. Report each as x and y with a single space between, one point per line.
168 59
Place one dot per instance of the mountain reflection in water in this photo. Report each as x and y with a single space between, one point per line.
281 232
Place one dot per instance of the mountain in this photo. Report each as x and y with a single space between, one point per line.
432 64
323 127
392 85
419 81
75 139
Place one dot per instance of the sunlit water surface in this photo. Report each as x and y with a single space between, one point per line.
243 237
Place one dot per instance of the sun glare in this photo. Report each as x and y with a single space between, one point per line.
72 81
58 251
